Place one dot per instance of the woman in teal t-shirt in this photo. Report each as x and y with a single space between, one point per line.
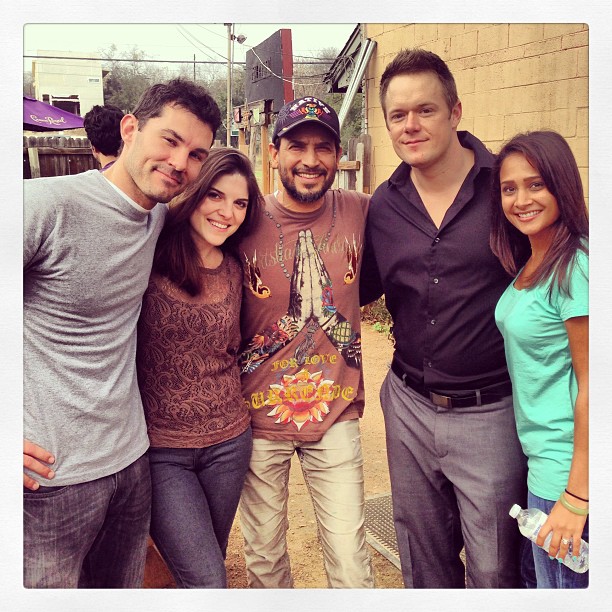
539 231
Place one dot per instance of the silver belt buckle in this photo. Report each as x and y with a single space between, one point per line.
441 400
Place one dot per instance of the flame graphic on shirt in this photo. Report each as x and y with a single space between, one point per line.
311 306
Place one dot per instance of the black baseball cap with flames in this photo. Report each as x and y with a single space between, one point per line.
303 110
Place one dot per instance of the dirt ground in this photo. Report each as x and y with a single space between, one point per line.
304 549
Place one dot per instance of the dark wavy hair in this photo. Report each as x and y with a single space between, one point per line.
179 92
415 61
176 254
549 153
103 128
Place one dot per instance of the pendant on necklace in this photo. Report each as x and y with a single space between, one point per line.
281 237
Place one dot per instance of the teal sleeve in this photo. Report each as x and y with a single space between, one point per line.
577 303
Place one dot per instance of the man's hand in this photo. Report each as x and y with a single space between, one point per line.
31 455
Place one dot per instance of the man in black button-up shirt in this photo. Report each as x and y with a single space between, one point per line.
455 461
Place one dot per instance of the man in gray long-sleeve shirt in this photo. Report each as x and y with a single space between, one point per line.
89 241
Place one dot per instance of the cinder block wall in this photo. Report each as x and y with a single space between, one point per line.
510 78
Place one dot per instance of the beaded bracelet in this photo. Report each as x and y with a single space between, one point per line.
577 496
571 507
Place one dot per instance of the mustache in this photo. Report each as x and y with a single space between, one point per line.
320 171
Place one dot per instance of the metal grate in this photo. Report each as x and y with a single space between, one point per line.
380 531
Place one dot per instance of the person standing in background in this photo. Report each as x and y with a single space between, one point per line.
103 128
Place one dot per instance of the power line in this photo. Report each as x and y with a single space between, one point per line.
187 32
133 60
292 81
323 60
211 31
156 61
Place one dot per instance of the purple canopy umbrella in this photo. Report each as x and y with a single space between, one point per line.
41 117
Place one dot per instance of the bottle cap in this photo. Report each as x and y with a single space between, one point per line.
515 510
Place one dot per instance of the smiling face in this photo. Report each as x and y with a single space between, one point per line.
162 157
526 201
419 122
221 212
307 160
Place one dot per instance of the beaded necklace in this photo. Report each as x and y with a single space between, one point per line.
281 236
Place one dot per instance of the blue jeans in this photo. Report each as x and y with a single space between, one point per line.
550 573
89 535
195 497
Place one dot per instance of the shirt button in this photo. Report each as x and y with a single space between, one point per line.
436 240
436 281
433 321
429 364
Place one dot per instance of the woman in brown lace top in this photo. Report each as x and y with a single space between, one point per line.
188 339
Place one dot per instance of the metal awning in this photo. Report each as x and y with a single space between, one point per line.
346 73
363 57
339 74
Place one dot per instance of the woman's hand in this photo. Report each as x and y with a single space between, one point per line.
566 527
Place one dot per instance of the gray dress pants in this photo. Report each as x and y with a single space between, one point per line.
455 473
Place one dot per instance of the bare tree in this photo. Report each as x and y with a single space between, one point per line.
127 80
308 81
28 84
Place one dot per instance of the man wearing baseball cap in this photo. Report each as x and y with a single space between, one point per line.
301 357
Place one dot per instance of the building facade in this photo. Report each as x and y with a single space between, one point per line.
510 78
60 79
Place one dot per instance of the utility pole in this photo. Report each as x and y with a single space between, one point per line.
229 83
230 60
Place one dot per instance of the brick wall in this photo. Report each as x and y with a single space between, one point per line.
510 78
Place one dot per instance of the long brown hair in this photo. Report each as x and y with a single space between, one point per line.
176 255
549 153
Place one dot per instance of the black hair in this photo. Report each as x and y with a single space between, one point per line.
179 92
103 128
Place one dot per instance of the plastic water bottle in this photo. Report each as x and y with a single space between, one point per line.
530 522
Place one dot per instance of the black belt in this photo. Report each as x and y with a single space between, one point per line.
476 397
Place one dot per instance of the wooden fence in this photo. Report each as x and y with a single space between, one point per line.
56 156
61 155
353 171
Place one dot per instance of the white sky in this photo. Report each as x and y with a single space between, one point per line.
208 41
165 42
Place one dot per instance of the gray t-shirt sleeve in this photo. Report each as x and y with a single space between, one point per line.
38 219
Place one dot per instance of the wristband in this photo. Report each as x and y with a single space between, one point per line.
581 511
577 496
